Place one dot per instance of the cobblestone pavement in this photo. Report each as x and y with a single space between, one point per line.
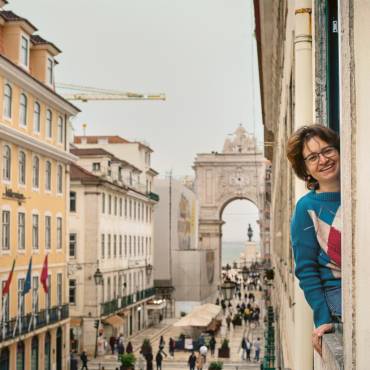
179 361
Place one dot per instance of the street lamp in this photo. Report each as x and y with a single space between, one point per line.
245 273
228 289
98 279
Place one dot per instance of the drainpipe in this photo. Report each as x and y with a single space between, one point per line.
303 351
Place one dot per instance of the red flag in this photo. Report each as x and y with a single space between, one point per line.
44 275
7 284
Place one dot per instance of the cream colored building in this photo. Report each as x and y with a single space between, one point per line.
34 187
111 229
314 68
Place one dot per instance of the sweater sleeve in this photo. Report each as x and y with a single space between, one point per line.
306 250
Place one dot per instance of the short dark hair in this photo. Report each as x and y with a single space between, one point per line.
296 144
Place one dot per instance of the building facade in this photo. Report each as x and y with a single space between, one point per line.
313 65
111 231
34 185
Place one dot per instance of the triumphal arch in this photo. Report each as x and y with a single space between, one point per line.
238 172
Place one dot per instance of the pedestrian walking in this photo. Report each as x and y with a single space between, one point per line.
74 361
112 343
257 349
149 360
248 347
159 359
161 342
84 360
228 321
171 347
243 346
212 345
192 360
199 361
129 348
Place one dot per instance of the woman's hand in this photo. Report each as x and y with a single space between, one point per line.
317 336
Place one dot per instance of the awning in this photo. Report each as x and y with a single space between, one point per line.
200 316
114 320
158 305
75 321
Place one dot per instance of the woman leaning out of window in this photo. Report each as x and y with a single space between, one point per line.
314 154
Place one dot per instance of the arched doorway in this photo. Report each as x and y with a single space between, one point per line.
47 350
236 216
4 359
59 349
20 356
35 353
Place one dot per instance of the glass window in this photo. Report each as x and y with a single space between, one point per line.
109 204
50 74
36 117
35 353
48 294
109 245
59 233
47 232
125 242
103 202
24 51
102 246
48 176
60 130
96 166
21 230
125 207
20 297
23 110
115 245
59 289
60 179
35 298
72 245
115 206
22 168
5 302
49 120
47 352
5 230
35 231
8 94
20 356
7 158
120 245
35 172
72 291
120 207
72 201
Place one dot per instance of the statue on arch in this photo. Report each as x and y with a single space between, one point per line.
250 233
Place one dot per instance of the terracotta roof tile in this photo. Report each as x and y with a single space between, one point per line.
38 40
10 16
79 173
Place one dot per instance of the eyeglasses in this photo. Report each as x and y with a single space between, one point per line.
327 152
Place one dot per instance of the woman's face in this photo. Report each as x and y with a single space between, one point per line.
322 161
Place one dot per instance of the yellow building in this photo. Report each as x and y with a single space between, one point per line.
34 182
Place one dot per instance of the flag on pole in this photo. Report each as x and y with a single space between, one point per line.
27 282
44 275
9 280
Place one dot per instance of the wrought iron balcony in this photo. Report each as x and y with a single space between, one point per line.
25 324
117 304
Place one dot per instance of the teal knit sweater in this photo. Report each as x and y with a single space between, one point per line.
316 241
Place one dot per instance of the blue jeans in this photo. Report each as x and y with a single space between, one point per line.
333 297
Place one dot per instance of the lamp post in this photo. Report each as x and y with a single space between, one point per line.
98 279
228 289
245 273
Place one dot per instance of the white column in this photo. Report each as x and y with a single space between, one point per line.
303 351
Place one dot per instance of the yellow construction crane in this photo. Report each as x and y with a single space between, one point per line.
86 93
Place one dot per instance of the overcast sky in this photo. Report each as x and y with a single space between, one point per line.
200 53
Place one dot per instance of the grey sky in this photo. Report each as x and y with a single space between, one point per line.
198 52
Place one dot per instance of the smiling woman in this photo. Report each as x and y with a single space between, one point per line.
314 153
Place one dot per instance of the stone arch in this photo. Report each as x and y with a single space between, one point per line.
237 173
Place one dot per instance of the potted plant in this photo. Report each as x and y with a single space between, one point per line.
216 365
127 361
224 350
146 347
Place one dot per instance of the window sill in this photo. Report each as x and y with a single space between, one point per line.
332 351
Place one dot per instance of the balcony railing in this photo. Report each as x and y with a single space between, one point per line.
118 303
28 323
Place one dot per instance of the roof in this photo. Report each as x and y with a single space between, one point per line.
95 139
10 16
79 173
38 40
85 152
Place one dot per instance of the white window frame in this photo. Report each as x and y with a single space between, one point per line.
35 231
74 288
48 175
21 231
35 172
60 181
27 51
5 229
23 109
74 242
8 101
60 130
49 124
22 167
7 163
36 117
59 227
48 228
50 71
